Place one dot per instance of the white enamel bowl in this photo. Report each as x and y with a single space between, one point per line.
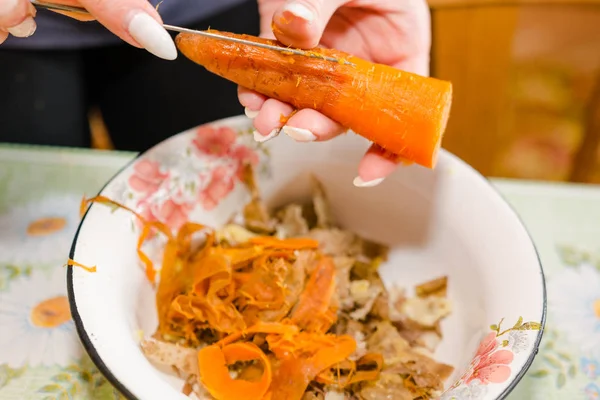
447 221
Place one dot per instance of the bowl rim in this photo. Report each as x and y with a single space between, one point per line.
115 382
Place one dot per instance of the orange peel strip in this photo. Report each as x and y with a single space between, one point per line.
213 362
73 263
261 327
284 244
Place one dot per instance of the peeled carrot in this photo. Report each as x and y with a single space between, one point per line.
404 113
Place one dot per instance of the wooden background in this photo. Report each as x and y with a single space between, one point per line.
526 78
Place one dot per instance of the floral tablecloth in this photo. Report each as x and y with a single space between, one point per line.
40 355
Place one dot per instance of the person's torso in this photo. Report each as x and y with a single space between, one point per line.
55 31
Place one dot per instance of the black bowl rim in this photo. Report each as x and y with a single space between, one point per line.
97 360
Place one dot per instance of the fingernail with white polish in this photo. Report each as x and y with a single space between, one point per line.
24 29
358 182
299 134
260 138
300 11
249 113
152 36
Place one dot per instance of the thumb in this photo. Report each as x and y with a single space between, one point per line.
300 23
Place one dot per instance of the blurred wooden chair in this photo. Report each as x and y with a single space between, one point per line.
100 137
526 80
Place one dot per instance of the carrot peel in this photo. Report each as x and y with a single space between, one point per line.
213 362
73 263
293 375
203 287
356 371
284 244
314 310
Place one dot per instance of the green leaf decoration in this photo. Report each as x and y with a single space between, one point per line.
73 368
10 272
539 374
64 377
553 361
572 371
518 326
86 376
561 380
564 356
570 255
530 326
52 388
7 374
519 323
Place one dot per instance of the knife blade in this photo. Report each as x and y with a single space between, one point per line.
286 50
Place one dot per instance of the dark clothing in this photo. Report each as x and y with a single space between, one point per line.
45 95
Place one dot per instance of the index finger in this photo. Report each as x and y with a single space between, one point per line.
85 17
134 21
14 12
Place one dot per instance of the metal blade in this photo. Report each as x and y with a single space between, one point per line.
285 50
310 54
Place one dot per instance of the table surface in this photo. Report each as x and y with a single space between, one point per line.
40 354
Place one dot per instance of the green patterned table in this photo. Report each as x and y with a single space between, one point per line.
40 355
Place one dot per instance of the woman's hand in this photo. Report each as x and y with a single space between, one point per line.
393 32
134 21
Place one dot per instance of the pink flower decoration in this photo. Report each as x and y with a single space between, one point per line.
147 177
214 141
170 213
144 209
220 185
487 345
489 365
244 155
173 214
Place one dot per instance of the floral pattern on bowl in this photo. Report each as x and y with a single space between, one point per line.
168 187
492 361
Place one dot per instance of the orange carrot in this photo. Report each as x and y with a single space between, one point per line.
404 113
213 362
284 244
285 330
314 310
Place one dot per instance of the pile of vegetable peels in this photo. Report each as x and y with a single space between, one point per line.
289 306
